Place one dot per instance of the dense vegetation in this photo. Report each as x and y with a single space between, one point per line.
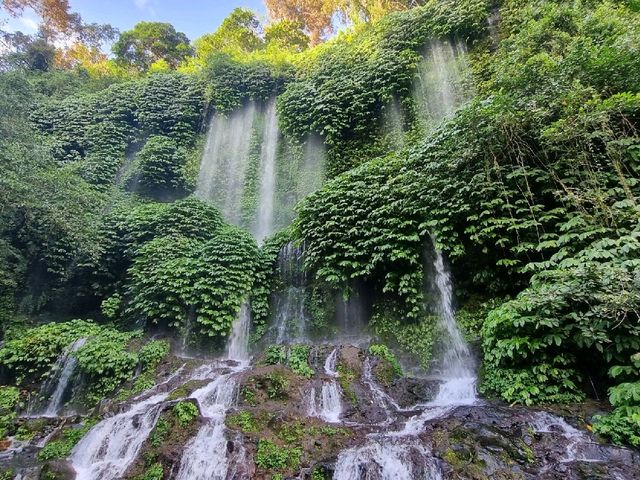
530 189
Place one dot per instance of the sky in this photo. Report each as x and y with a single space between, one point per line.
193 17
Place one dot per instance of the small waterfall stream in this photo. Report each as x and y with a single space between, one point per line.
205 456
62 374
330 407
112 445
290 315
457 366
238 343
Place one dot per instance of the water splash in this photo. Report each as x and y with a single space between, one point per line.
440 91
265 220
330 405
62 373
225 159
205 456
238 344
387 458
457 366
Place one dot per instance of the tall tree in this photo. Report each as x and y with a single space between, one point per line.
56 15
240 32
318 15
149 42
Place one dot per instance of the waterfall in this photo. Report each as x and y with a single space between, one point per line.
457 364
439 91
387 459
112 445
205 456
238 344
330 407
62 372
225 159
311 173
266 200
378 394
289 304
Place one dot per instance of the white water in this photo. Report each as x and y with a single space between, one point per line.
579 444
266 200
290 317
112 445
225 159
380 397
386 458
311 174
238 343
205 456
63 371
439 91
457 367
330 407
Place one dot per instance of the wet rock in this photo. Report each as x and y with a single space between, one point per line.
57 470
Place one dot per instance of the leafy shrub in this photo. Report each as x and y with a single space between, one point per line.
9 400
160 165
154 472
383 352
62 446
299 360
153 352
274 457
185 412
275 354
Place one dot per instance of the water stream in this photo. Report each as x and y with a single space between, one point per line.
62 374
329 404
225 159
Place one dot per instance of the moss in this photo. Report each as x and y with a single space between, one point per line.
272 457
346 376
154 472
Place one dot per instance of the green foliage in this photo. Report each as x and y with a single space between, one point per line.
277 385
154 472
150 42
153 352
274 457
185 412
348 81
9 401
415 338
244 421
623 424
383 352
161 166
177 278
275 354
62 445
106 360
299 360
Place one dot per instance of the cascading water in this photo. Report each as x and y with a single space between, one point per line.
290 317
311 174
330 407
112 445
63 372
238 345
387 458
457 367
225 159
205 456
264 220
439 90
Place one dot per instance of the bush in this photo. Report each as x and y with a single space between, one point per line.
185 412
